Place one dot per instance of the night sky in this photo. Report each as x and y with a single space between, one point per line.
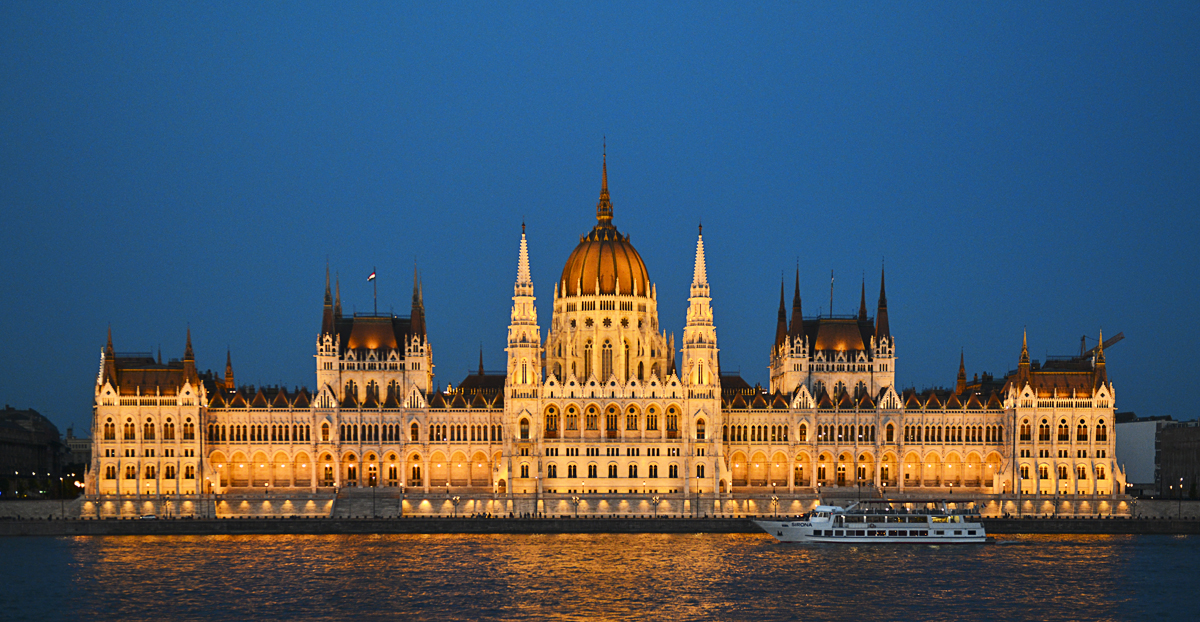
197 165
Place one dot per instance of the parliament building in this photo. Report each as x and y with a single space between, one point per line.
606 406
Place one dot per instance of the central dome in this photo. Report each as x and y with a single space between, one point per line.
604 256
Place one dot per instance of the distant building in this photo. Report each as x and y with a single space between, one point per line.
1138 451
31 450
80 449
1180 459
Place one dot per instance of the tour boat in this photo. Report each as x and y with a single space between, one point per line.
899 521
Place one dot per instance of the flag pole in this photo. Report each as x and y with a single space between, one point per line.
374 291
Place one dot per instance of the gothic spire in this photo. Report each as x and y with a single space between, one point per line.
337 299
862 302
524 285
327 325
481 359
961 386
1023 363
189 360
229 385
797 327
418 306
1101 373
109 348
604 209
781 328
881 317
699 270
188 355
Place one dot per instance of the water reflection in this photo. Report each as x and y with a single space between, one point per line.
586 577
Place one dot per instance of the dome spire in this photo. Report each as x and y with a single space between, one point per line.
604 210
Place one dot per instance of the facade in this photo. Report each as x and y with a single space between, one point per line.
1180 460
606 404
1138 452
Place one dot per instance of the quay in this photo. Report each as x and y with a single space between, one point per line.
532 525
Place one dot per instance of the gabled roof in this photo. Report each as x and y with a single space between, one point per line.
846 401
437 400
823 401
215 400
281 399
994 401
973 402
237 401
866 402
779 401
912 402
953 402
933 401
302 400
349 400
391 401
371 401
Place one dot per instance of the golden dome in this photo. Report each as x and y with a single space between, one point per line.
605 255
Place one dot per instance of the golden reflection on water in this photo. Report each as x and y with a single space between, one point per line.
586 577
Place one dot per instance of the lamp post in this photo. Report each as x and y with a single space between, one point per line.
1179 510
455 500
62 505
655 501
575 500
775 502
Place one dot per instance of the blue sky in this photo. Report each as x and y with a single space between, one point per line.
1016 165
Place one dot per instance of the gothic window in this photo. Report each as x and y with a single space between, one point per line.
415 433
839 388
524 431
324 432
631 420
1043 472
626 355
652 471
189 472
641 371
169 471
149 471
700 429
572 418
372 390
572 473
168 431
1024 471
700 471
890 434
1081 472
130 472
551 420
673 471
1044 431
611 420
612 471
351 389
552 470
524 371
1100 472
633 471
1081 432
587 359
651 419
606 361
672 420
189 430
1101 435
1062 471
803 433
525 471
110 472
110 431
592 471
1064 433
1026 430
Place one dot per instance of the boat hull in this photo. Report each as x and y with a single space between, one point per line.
804 531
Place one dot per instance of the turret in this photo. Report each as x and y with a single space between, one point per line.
796 330
862 302
781 326
327 325
229 385
1023 363
961 386
189 361
882 331
1100 374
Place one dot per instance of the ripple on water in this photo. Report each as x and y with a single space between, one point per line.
591 577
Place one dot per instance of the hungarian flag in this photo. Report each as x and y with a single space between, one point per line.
372 277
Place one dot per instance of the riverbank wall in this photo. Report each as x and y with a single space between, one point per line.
532 526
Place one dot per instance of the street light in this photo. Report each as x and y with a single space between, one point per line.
655 500
456 500
775 502
575 500
1179 510
62 505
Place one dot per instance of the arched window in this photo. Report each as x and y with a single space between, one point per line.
633 471
524 432
1081 472
611 419
803 433
626 359
414 433
606 361
524 371
1043 472
169 431
551 419
1101 435
572 418
651 418
525 471
700 471
110 431
1062 471
587 359
572 471
699 429
1064 433
552 470
148 430
324 432
1100 472
641 371
631 420
1081 432
890 433
1044 431
672 420
130 431
351 390
1026 431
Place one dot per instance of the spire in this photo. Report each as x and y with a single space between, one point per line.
188 355
109 348
1023 363
327 325
524 285
862 301
481 359
604 210
1101 373
881 317
797 327
699 271
337 300
418 306
961 386
189 360
781 328
229 385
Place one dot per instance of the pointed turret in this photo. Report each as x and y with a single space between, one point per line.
1023 363
699 270
524 284
481 359
781 326
797 327
862 302
189 360
961 386
337 300
110 362
1100 372
881 316
327 325
229 385
604 210
418 306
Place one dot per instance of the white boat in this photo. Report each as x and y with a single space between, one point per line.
878 521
